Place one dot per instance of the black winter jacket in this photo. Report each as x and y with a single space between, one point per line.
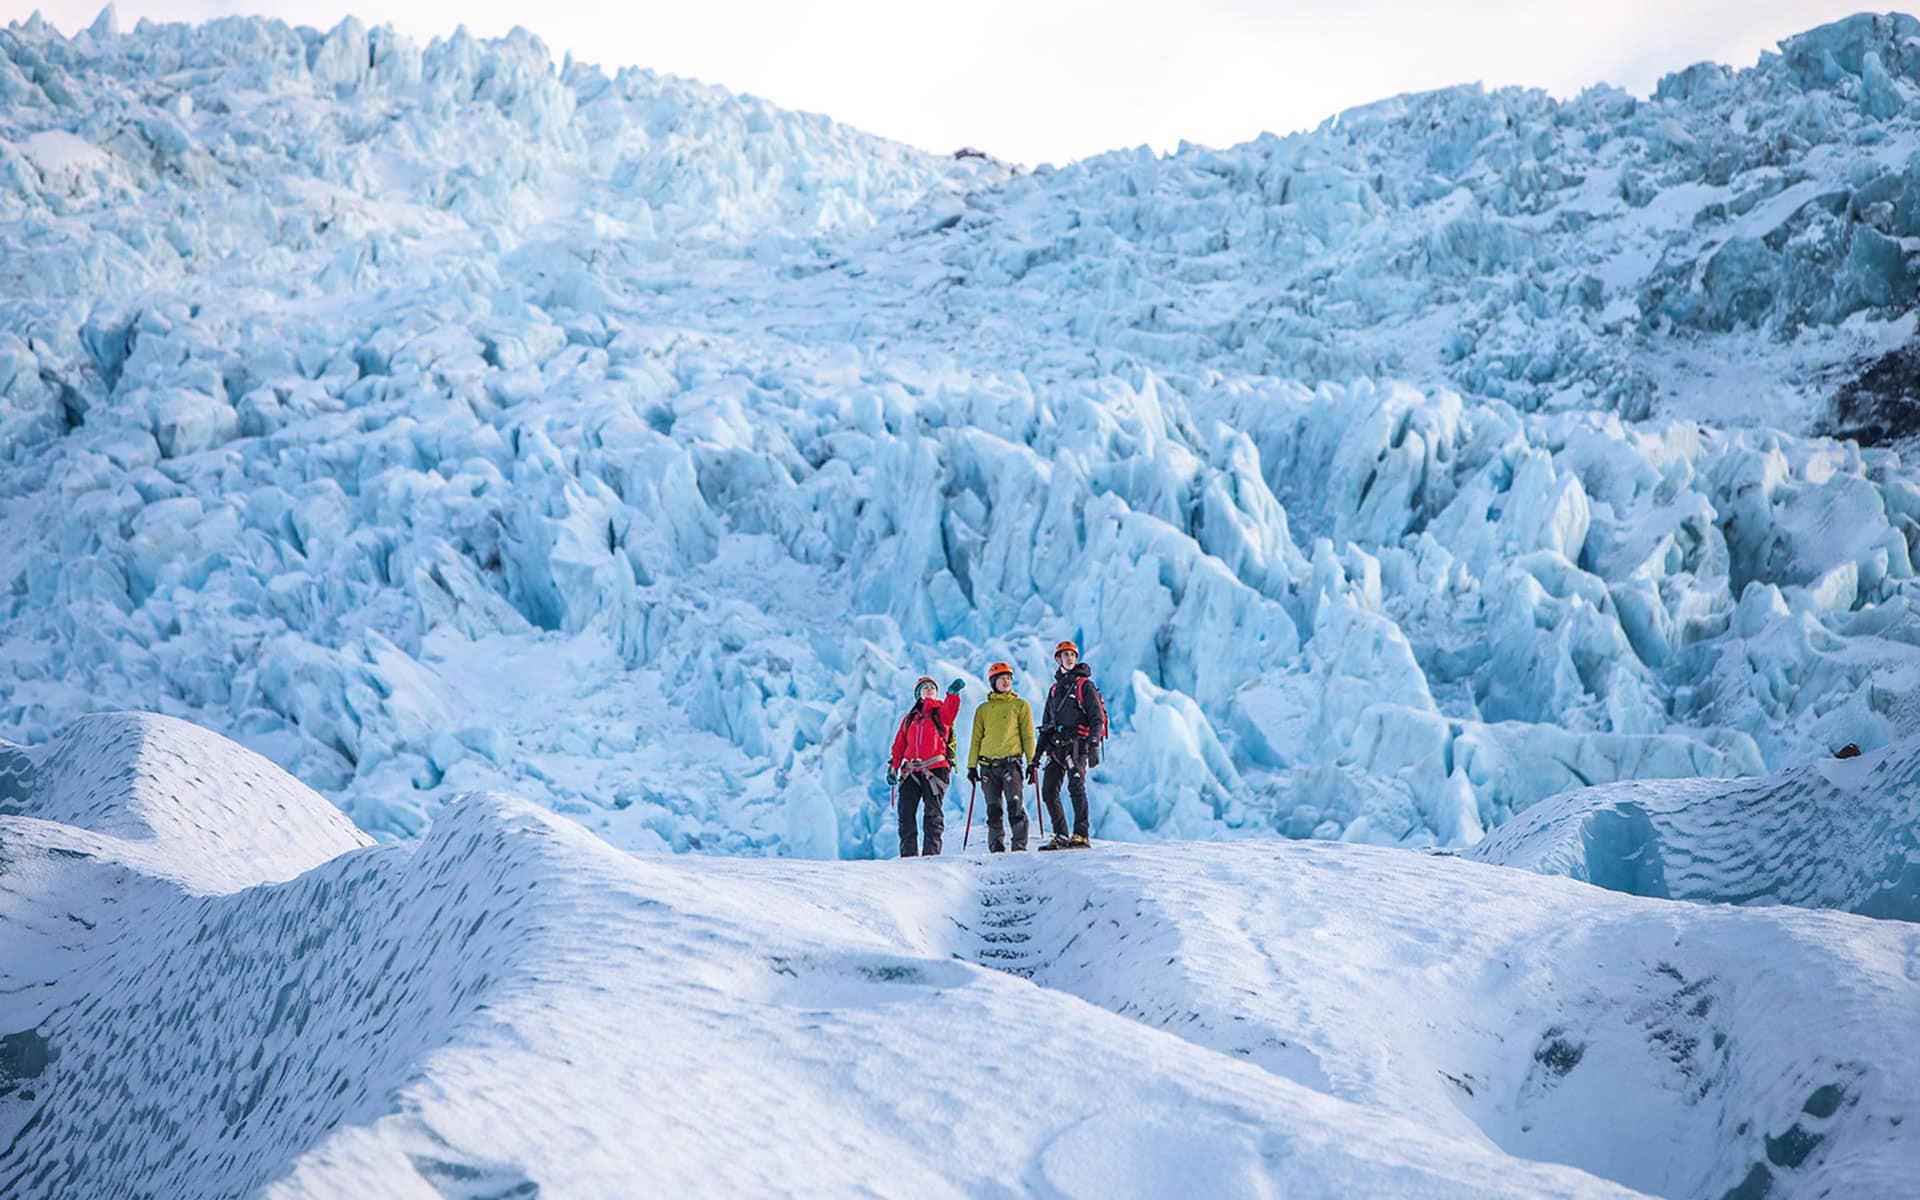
1073 704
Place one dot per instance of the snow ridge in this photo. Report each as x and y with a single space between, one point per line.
481 1010
168 796
1838 833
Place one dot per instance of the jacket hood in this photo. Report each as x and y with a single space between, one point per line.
1009 694
1080 669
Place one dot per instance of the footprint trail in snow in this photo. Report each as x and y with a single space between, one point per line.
1004 925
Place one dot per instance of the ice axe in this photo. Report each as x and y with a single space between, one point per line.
972 790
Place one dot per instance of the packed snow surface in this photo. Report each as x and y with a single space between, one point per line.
1838 833
445 418
508 1005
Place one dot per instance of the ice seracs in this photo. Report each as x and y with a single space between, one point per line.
437 418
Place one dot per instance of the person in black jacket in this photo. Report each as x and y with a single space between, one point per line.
1072 726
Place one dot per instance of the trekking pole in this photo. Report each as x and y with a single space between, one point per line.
971 791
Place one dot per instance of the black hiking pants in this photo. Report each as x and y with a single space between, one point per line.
1066 761
926 790
1000 780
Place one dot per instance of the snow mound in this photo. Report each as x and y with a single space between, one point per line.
510 1004
178 798
1836 833
1680 1051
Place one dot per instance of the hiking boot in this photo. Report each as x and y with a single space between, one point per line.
1079 841
1056 842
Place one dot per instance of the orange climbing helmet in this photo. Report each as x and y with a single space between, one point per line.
996 670
1063 647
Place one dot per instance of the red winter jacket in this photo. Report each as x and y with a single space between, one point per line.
921 739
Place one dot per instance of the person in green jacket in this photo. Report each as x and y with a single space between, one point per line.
1000 752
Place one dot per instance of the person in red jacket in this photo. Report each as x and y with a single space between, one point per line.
922 763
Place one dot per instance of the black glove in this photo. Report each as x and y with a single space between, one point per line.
1033 773
973 774
953 689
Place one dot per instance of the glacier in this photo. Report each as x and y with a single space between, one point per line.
444 419
213 984
487 478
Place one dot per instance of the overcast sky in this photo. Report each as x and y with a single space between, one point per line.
1053 80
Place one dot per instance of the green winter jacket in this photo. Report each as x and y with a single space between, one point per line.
1002 728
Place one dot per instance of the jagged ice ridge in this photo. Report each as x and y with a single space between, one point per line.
444 419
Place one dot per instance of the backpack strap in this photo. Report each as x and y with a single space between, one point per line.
917 713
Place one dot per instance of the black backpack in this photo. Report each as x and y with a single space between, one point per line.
1094 744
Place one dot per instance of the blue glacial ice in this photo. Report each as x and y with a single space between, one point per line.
436 419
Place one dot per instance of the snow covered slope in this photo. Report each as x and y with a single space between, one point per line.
510 1004
1837 833
447 419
